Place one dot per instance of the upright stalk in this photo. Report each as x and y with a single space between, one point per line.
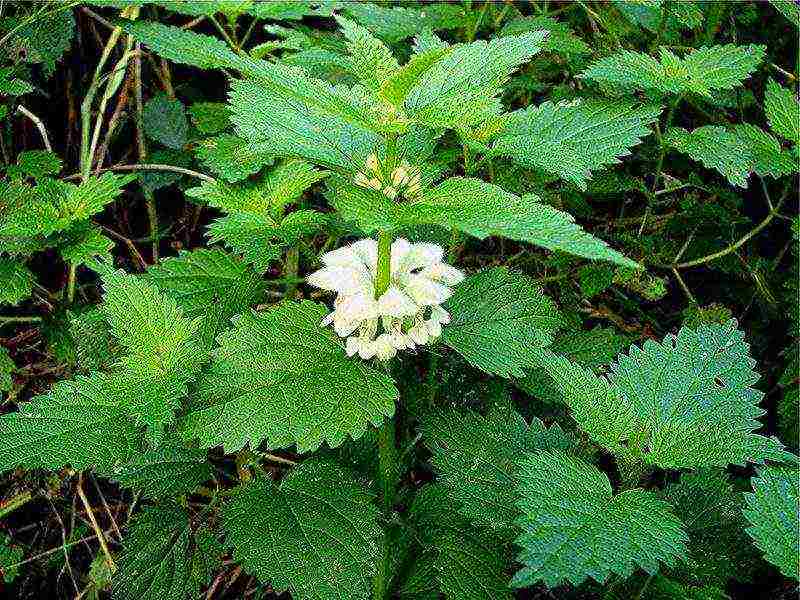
387 442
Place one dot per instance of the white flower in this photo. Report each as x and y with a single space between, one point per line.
408 314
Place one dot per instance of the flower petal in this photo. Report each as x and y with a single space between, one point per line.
396 304
426 292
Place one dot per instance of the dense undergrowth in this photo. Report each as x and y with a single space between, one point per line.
346 300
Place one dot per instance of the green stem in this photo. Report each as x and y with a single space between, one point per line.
11 320
292 268
735 246
387 483
383 275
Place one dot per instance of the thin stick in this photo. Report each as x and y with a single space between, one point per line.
100 536
39 125
151 167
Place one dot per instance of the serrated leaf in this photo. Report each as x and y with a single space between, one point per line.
164 121
16 281
372 61
161 346
398 23
396 85
168 471
468 563
716 148
568 504
702 71
82 243
11 84
280 376
209 285
316 534
496 317
230 158
283 110
773 510
768 158
783 111
462 88
560 38
712 515
475 458
39 163
590 349
572 139
95 347
165 556
184 47
81 422
683 402
477 208
259 239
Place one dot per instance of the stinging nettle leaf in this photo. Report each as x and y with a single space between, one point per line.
475 458
572 139
773 510
279 376
171 470
783 111
461 89
496 318
477 208
165 556
574 528
316 534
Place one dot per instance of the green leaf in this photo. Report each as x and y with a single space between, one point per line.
164 121
477 208
283 110
712 513
468 563
168 471
568 504
259 239
716 148
7 368
208 285
683 402
16 281
462 88
82 243
81 422
184 47
773 510
702 71
398 23
39 163
590 349
497 317
397 84
210 118
230 158
280 376
560 38
161 345
315 535
783 111
11 85
10 556
572 139
372 62
475 458
768 158
95 347
165 556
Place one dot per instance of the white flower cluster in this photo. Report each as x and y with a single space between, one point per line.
403 180
409 313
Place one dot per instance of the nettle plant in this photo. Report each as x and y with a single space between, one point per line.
288 433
